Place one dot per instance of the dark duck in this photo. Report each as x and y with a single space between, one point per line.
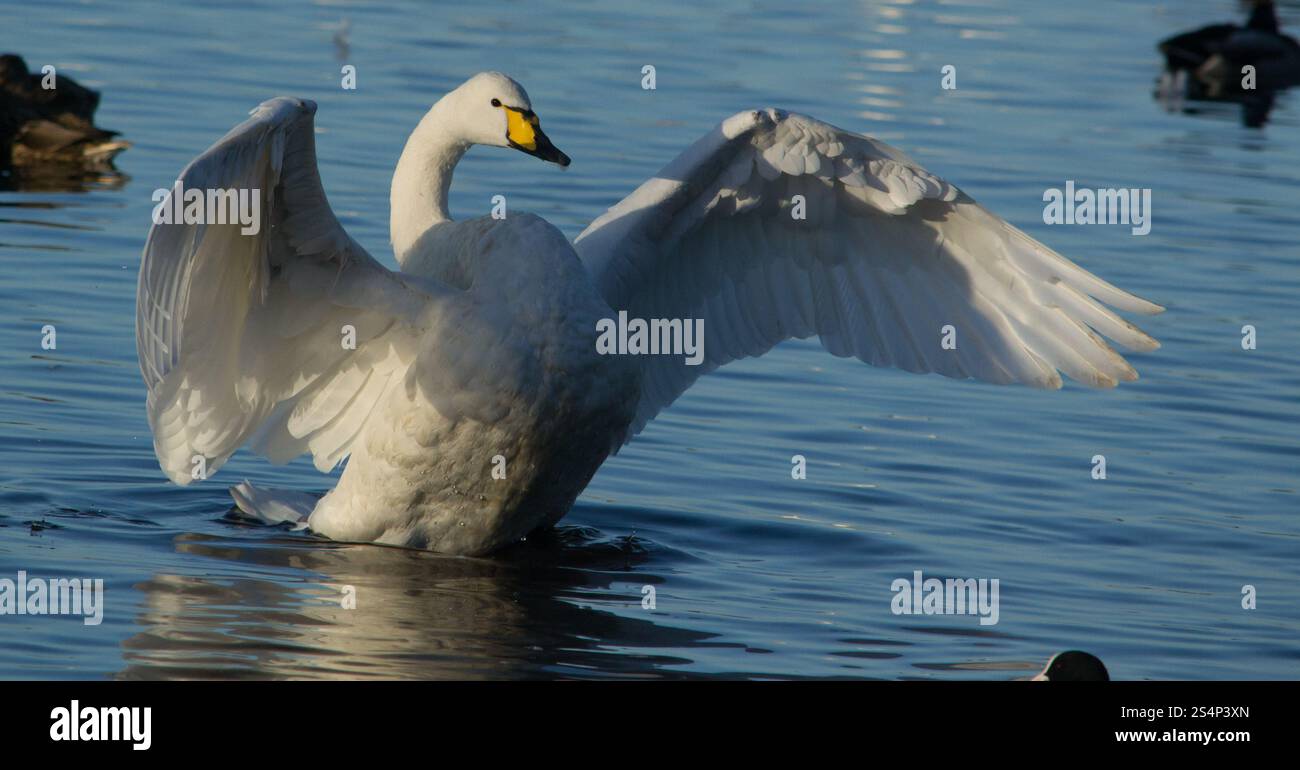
47 130
1209 64
1074 666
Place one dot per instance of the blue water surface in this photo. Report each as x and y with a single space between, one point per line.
755 574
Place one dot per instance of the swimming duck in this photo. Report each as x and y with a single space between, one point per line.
470 389
41 127
1207 63
1073 666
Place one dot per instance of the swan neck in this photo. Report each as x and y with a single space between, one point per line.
422 181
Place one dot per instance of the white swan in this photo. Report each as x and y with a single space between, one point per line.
482 348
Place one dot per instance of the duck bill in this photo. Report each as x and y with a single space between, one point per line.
542 148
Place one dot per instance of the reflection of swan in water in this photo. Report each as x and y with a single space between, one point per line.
417 614
564 604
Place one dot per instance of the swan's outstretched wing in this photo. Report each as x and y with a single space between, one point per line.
886 256
247 337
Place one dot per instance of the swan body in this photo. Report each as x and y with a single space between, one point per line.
513 374
473 406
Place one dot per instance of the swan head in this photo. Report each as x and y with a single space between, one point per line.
494 110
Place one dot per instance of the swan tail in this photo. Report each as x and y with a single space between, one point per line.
274 506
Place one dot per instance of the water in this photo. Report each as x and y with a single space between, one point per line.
755 574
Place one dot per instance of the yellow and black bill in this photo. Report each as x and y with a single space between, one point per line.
524 133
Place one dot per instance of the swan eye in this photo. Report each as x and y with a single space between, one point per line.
496 102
